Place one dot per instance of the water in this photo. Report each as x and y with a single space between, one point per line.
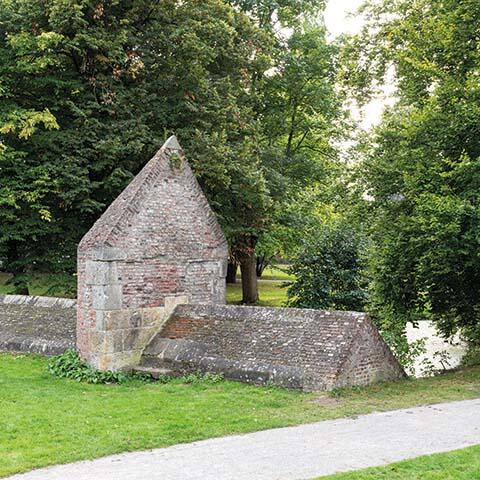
451 351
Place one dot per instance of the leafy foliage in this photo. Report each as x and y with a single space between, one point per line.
199 377
422 164
302 120
94 88
329 272
272 14
70 365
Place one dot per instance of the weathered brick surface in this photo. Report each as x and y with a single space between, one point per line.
159 246
37 324
159 239
301 348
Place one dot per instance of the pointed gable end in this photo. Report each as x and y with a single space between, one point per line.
158 239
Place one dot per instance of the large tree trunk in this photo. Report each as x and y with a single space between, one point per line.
248 266
232 272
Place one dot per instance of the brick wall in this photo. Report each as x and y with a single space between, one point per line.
311 349
158 240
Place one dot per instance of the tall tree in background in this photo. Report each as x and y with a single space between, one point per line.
298 112
302 119
422 166
110 80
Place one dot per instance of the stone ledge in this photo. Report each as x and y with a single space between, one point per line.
44 325
297 348
243 313
38 301
34 345
186 356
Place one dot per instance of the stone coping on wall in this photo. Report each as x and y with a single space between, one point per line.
243 313
37 324
38 301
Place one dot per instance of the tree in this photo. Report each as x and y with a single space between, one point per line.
296 107
273 15
116 79
302 119
329 271
422 165
21 186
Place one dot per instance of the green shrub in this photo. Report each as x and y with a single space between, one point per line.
70 365
329 272
472 357
200 377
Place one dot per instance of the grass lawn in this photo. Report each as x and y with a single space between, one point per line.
456 465
45 420
271 294
278 272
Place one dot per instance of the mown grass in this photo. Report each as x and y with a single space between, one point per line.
278 272
46 420
271 294
457 465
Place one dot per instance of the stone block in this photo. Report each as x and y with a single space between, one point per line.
113 342
172 302
107 297
153 316
118 361
101 273
108 254
132 338
135 320
116 319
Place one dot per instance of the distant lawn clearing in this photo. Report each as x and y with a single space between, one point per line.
278 272
44 420
271 294
456 465
46 284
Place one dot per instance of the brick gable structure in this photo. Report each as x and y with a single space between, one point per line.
159 243
151 294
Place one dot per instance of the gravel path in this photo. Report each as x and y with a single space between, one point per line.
292 453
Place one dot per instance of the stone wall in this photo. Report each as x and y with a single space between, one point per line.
158 242
298 348
295 348
37 324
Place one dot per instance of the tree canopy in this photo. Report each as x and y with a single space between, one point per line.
422 164
92 88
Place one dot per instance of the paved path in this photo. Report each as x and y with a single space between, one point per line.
292 453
